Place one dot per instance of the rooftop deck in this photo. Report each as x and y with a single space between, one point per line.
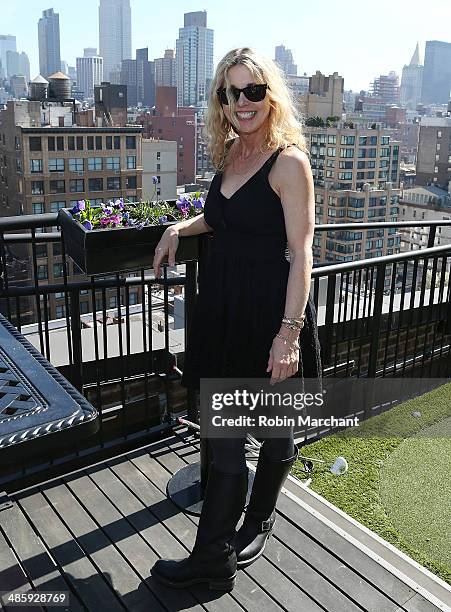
97 531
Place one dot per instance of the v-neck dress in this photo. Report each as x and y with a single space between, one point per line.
242 284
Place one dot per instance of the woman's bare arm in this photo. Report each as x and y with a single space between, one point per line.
191 227
295 184
170 239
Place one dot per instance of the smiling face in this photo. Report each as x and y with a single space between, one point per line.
251 116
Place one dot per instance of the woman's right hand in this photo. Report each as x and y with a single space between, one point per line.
167 246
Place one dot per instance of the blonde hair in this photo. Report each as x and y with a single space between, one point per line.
285 121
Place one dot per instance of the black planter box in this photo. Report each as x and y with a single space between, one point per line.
118 249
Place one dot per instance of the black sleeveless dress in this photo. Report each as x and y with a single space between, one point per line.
242 287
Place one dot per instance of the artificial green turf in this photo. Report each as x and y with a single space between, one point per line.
416 490
373 451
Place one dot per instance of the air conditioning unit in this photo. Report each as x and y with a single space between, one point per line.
80 173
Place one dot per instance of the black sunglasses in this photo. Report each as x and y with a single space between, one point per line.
254 93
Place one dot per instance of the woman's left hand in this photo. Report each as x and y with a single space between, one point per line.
283 360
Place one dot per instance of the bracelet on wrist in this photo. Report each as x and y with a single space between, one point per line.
293 324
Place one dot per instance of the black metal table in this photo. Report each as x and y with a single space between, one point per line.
39 409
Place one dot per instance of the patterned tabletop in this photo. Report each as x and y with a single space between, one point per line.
36 401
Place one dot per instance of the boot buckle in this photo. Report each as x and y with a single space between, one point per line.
266 525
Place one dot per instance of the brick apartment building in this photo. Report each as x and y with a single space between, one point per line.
52 155
177 124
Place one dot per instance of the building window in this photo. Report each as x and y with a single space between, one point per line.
57 187
60 143
37 187
57 270
113 163
117 142
158 155
131 182
96 184
76 185
113 301
133 298
38 208
42 272
94 163
113 182
35 165
158 167
158 191
51 143
55 207
84 307
56 164
41 250
130 142
90 141
71 143
75 164
109 142
131 162
79 143
60 311
35 143
99 143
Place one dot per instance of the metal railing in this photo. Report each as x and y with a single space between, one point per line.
386 316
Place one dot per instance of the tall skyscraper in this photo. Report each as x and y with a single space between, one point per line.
436 84
17 64
49 43
284 58
165 70
115 36
194 59
89 72
139 77
412 75
7 43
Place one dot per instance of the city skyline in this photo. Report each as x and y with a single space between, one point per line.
330 46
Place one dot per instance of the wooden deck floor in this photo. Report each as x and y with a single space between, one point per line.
97 532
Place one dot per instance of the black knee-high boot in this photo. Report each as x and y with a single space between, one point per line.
250 540
213 558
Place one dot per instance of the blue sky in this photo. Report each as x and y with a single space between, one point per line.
358 39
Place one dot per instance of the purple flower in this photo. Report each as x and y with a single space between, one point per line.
155 180
120 203
163 219
198 202
111 221
78 207
183 203
87 224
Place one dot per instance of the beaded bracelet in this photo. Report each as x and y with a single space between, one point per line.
293 326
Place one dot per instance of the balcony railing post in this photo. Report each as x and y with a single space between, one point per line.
330 312
75 324
431 236
190 302
376 320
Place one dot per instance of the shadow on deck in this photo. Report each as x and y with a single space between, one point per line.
97 531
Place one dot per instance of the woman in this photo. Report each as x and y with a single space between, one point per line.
251 302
